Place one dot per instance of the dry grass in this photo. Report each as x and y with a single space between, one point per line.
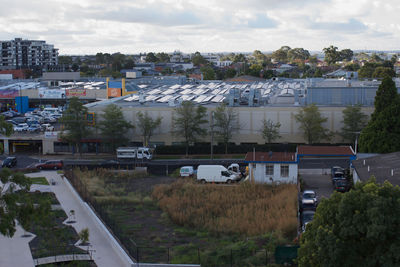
246 209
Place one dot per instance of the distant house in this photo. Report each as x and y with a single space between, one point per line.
272 167
384 167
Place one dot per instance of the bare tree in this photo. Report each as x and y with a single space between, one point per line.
225 123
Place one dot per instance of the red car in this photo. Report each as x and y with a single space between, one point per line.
50 165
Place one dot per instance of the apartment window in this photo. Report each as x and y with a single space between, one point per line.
269 169
284 170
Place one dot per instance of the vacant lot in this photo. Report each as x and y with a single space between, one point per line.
164 219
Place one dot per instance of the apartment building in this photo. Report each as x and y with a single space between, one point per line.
27 54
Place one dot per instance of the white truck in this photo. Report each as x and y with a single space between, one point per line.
130 153
216 173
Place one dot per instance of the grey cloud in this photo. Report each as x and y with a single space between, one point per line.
351 26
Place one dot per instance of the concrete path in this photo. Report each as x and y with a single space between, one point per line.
15 251
105 252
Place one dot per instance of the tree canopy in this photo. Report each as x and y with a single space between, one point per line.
311 121
188 122
198 59
75 124
208 73
353 122
358 228
146 125
270 130
382 133
113 126
225 123
17 206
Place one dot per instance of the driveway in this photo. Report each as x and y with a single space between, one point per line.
321 184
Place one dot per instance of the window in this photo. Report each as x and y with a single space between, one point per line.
284 170
269 169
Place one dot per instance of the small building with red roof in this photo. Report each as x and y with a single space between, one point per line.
272 167
344 152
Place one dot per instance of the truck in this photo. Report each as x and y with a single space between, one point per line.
131 153
216 173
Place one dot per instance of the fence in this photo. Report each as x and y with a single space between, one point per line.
192 254
59 254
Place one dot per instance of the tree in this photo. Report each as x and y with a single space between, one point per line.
255 70
311 121
84 236
6 128
230 73
346 54
208 73
147 125
367 70
239 58
270 130
382 133
198 59
162 57
332 55
298 53
381 72
113 126
150 57
225 123
358 228
353 122
281 54
75 124
18 206
188 122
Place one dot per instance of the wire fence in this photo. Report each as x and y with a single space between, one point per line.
189 254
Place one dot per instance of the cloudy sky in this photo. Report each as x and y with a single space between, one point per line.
133 26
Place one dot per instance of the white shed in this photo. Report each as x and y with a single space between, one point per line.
272 167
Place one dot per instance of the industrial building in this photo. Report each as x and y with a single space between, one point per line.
277 99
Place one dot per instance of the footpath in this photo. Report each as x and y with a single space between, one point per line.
105 251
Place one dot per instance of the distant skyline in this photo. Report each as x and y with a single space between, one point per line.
88 26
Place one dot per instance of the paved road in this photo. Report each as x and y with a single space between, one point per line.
321 184
22 160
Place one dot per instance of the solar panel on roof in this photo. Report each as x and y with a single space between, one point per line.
217 98
200 99
168 92
216 91
208 98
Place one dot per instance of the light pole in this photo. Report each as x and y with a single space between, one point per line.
212 134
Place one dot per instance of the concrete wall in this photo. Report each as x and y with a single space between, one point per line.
249 120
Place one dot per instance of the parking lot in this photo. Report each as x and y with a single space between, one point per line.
320 183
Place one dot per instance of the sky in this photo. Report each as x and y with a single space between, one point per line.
131 26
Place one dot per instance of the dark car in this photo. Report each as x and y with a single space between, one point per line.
342 186
50 165
306 217
307 204
9 162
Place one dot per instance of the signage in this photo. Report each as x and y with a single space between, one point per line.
50 134
90 118
51 93
9 93
75 92
114 92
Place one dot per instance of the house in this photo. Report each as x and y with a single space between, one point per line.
384 167
272 167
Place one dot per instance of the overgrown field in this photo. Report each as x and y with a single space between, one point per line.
164 219
245 209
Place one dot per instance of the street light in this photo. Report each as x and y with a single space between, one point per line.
212 134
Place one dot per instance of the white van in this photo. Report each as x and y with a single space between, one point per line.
215 173
51 110
186 171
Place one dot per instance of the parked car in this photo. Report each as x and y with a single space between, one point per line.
56 115
9 162
20 119
49 119
310 194
336 169
307 204
186 171
21 127
342 186
7 114
47 127
34 128
50 165
12 122
306 217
